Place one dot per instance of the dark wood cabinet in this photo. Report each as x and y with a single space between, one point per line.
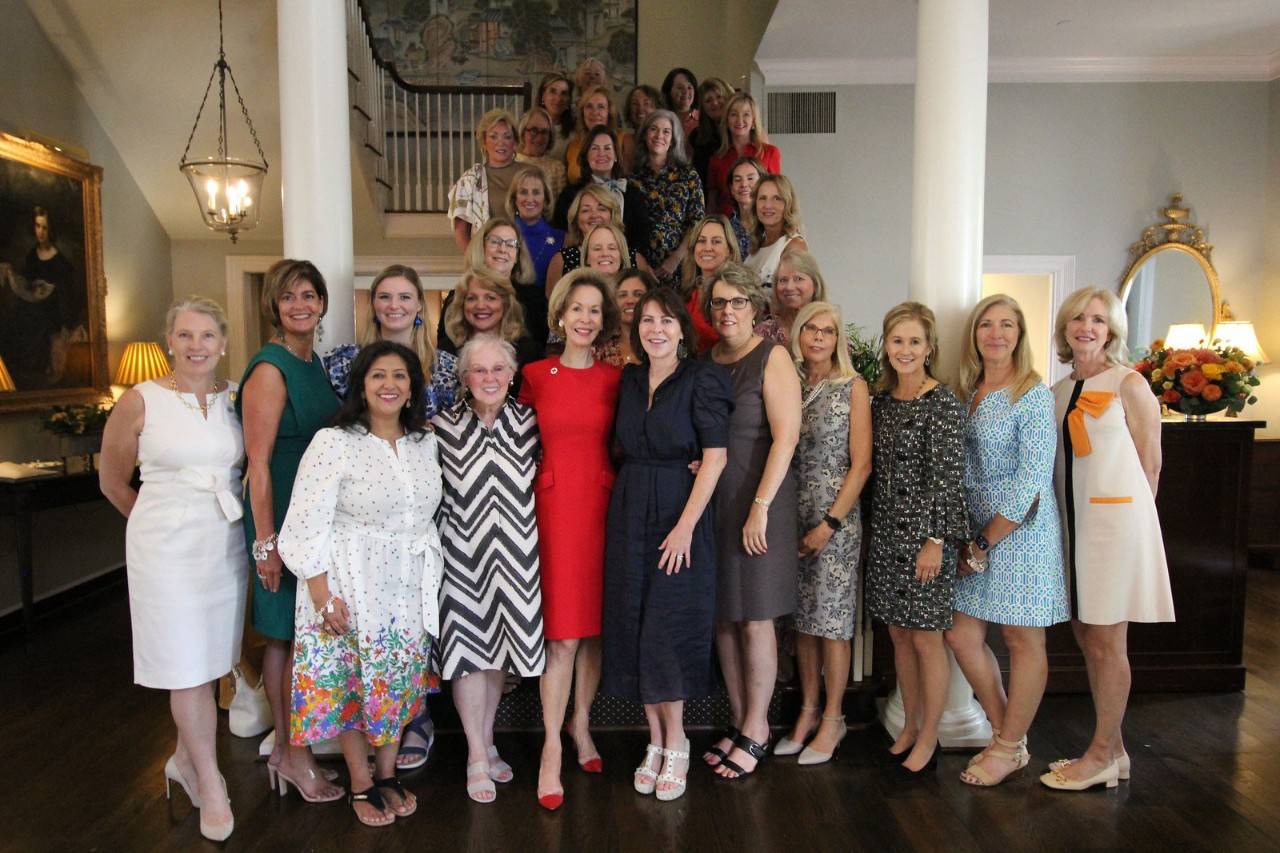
1203 503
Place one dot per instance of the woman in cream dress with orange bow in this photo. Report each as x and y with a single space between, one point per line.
1108 467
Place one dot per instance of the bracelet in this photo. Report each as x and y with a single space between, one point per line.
934 539
327 607
764 503
262 548
832 522
978 566
982 542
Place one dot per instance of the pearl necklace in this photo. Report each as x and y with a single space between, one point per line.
203 407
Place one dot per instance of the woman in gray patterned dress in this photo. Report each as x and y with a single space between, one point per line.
832 462
918 520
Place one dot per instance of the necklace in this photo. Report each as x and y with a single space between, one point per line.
815 390
285 344
203 407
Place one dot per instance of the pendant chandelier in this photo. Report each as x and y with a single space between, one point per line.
227 188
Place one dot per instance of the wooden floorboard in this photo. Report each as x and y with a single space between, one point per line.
83 750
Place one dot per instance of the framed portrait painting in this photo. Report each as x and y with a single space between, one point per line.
53 327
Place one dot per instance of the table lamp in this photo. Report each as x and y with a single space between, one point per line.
142 360
6 381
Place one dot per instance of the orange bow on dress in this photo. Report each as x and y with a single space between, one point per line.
1092 403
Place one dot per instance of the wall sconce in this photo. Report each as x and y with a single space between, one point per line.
142 360
6 381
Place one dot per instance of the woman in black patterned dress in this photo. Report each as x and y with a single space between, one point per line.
918 519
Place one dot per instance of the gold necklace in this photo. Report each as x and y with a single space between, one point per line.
285 344
203 407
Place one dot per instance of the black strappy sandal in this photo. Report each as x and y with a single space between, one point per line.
729 732
757 751
393 784
373 798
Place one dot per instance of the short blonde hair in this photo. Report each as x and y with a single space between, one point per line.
1117 347
492 117
200 305
523 272
421 340
806 264
580 122
901 313
583 277
528 173
791 223
1024 372
625 260
689 271
455 320
844 369
743 279
759 137
602 194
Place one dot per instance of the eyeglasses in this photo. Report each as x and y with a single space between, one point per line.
538 131
499 243
738 303
824 331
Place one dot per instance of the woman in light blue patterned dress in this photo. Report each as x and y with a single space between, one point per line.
396 302
1012 570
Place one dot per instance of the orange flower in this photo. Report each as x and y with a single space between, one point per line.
1233 367
1193 382
1171 396
1143 367
1211 393
1179 360
1205 355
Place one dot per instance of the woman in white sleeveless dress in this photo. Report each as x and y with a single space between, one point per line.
776 233
1108 467
184 546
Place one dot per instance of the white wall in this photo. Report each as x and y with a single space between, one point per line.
1034 294
1072 169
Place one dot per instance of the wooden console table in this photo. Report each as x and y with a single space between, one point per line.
22 498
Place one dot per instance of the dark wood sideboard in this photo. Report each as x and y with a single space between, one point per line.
1203 503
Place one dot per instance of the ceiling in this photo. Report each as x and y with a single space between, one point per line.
857 41
143 65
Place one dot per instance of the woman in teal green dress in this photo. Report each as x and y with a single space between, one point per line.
285 397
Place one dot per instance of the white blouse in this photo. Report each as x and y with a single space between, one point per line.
364 514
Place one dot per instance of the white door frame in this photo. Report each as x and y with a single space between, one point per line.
242 309
1061 270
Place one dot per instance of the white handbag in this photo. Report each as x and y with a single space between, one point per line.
250 715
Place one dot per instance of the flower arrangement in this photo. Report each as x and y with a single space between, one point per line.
1199 381
80 419
864 350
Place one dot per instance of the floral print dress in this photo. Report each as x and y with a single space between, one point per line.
675 203
438 395
362 513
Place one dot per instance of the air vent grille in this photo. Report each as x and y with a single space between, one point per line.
802 112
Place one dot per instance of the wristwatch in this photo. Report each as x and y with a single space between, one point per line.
832 522
981 541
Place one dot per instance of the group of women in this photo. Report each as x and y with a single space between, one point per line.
681 473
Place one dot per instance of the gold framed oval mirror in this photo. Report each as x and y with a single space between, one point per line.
1170 288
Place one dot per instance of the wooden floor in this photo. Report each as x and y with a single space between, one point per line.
83 749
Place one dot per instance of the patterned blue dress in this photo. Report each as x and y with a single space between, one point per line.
442 386
1008 462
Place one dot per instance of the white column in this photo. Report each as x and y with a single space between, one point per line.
315 149
946 234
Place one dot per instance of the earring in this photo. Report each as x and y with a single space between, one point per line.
224 352
417 321
170 352
560 323
377 323
681 352
320 331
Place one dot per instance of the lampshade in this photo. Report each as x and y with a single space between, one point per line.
1240 334
6 381
1185 336
142 360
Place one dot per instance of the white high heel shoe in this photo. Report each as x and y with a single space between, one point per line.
173 774
1122 762
218 831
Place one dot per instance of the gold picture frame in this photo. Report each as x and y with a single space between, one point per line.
53 321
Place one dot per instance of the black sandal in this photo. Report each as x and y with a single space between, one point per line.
750 747
373 798
393 784
729 732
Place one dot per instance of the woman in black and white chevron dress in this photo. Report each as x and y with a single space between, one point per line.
490 603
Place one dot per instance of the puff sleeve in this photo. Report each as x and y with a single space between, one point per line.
304 540
712 405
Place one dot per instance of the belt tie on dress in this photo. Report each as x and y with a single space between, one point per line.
428 547
1093 404
218 483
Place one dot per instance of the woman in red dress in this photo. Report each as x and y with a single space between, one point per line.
574 396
